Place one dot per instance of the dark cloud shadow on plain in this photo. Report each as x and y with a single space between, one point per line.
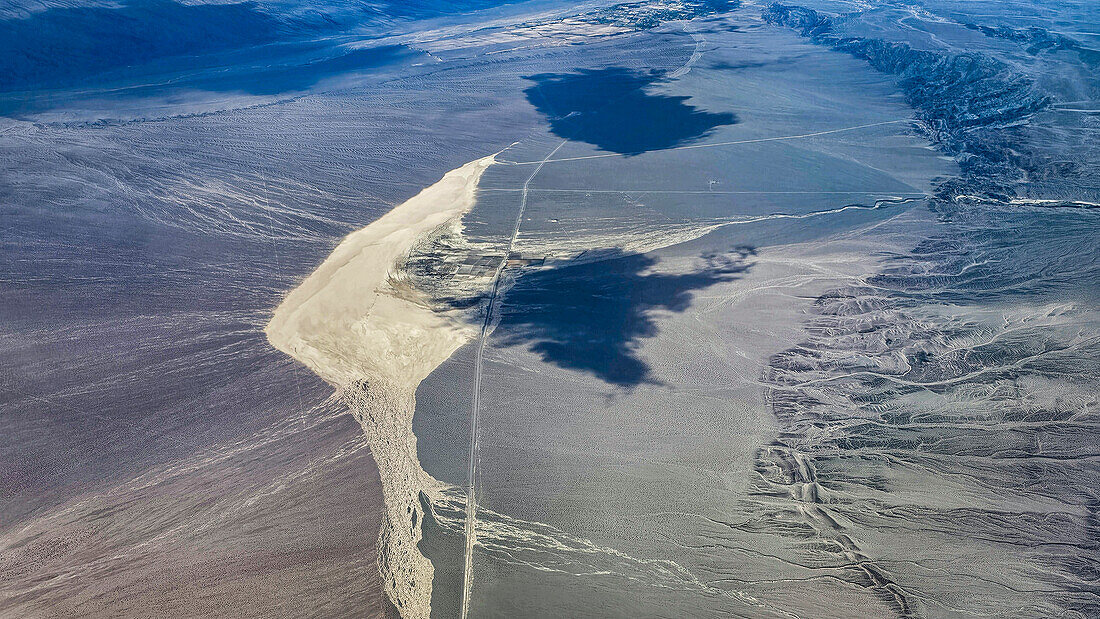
151 48
291 77
611 109
60 46
590 317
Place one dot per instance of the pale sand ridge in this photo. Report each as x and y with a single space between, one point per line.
375 341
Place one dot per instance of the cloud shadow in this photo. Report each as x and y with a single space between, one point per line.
150 48
591 317
65 45
611 109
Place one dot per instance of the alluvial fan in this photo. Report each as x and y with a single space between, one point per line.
937 428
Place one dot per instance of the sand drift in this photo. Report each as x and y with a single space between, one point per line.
355 325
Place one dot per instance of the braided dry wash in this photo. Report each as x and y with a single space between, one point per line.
355 325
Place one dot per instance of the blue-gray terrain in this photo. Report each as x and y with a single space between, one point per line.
775 310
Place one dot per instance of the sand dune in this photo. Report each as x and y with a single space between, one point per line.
354 325
346 322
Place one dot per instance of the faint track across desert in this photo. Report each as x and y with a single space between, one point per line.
475 405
